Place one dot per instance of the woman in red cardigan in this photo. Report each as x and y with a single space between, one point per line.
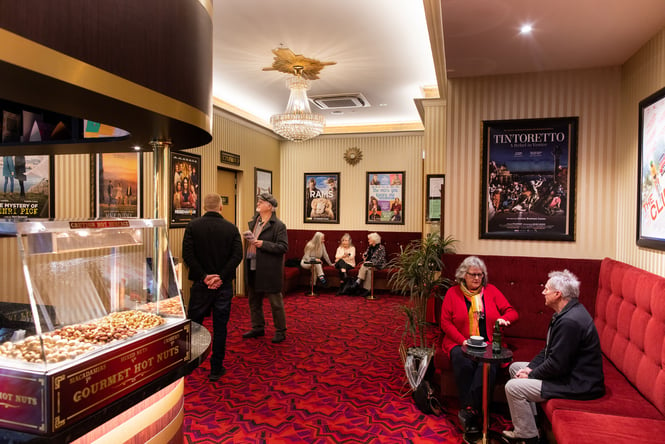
471 308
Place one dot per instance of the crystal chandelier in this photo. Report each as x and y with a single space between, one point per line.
298 123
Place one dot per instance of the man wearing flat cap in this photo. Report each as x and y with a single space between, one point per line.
266 245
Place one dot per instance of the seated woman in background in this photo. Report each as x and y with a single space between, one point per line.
316 249
376 255
345 260
470 309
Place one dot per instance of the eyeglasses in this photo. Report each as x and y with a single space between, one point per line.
476 275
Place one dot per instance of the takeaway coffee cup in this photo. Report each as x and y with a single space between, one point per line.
475 340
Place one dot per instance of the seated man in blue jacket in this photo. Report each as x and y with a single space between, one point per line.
570 366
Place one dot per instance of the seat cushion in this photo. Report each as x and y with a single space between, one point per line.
574 427
620 399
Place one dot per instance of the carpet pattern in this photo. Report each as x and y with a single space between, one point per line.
337 378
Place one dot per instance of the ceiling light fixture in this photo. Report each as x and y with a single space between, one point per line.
298 123
526 29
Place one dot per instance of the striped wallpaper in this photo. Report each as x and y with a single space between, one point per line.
593 95
642 75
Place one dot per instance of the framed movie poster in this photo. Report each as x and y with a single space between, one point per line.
321 201
262 181
651 172
116 185
528 179
385 198
28 190
435 183
185 188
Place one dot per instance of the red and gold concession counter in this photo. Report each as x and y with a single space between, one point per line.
96 328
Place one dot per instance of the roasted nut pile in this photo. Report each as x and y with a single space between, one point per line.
167 307
56 348
72 340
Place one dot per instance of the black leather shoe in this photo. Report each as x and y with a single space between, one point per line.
253 334
468 419
279 337
473 437
215 375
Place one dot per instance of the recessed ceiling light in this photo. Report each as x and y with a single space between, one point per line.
526 29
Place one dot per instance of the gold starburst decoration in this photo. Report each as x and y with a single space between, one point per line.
353 155
287 62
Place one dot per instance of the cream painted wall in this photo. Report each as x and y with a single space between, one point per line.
593 95
642 75
325 154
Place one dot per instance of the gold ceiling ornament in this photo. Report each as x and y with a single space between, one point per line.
287 61
353 155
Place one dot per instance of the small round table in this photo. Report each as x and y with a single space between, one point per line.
487 357
313 276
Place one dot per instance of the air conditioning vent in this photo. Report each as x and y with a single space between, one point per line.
338 101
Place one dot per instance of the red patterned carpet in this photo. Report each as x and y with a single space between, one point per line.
337 378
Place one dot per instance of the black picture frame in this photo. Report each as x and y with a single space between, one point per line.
651 172
321 198
28 188
116 185
262 181
385 197
434 207
528 179
185 168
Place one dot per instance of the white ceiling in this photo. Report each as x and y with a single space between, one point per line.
382 47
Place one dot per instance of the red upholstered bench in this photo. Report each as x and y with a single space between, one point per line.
296 276
521 279
630 318
628 305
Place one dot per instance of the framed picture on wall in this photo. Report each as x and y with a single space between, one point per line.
28 190
185 188
435 183
385 198
116 186
262 181
321 199
528 179
651 172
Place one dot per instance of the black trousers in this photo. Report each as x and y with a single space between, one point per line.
202 301
343 267
469 379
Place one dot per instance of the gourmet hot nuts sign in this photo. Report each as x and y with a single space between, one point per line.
81 390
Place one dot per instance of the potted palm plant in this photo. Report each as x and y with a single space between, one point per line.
418 274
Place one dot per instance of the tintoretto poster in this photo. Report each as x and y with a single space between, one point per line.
528 189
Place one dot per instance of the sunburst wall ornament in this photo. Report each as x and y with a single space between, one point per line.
353 155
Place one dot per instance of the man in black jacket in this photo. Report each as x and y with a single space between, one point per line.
267 242
212 250
570 366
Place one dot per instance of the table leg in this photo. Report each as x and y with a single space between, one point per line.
486 383
312 280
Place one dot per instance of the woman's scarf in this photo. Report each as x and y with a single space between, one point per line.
475 309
